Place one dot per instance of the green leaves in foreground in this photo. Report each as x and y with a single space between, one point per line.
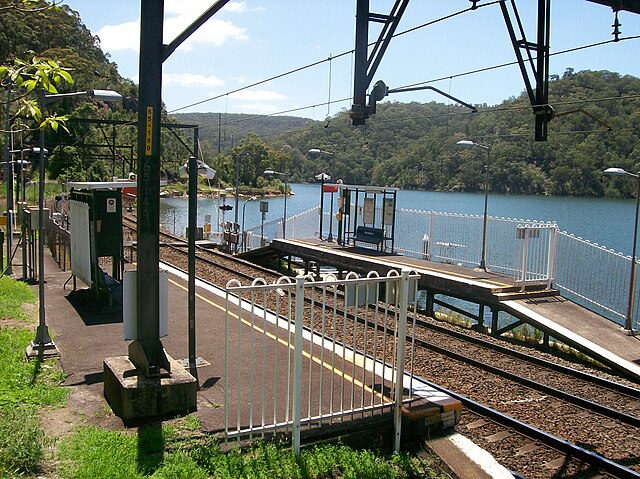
93 453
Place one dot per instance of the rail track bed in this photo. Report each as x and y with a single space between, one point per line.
539 415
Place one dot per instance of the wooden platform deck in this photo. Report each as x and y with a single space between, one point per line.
584 330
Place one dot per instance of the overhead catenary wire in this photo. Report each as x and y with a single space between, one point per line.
434 80
319 62
404 32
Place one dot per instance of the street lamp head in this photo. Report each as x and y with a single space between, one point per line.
203 170
36 150
322 177
469 143
269 172
316 152
105 95
616 172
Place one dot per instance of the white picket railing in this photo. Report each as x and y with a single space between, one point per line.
305 364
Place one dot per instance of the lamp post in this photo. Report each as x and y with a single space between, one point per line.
238 183
322 177
192 169
628 329
42 345
315 153
483 255
244 242
286 187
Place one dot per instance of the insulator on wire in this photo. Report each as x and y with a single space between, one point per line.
616 28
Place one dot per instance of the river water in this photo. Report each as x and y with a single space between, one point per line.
606 222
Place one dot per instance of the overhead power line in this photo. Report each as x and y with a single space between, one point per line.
329 59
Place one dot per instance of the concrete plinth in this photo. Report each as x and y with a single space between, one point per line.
133 396
421 416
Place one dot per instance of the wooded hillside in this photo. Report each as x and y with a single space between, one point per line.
408 145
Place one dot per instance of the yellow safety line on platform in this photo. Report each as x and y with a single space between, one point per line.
413 266
283 342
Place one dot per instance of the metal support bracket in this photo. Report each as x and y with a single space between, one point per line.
533 59
367 63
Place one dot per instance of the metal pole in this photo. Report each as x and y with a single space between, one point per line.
483 259
235 220
193 212
297 364
42 340
330 237
244 208
8 169
147 352
632 280
403 300
321 203
284 218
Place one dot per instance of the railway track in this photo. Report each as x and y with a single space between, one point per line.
538 417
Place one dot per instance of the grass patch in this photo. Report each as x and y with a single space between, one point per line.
32 383
24 387
154 452
13 294
22 441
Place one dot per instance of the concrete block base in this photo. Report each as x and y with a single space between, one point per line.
134 397
423 415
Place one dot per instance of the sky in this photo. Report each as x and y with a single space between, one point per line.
251 41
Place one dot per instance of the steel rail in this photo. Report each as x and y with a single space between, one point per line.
622 388
575 400
566 447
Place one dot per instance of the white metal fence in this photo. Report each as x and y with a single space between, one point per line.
300 360
532 252
595 276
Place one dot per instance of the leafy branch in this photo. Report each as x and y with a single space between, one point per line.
33 76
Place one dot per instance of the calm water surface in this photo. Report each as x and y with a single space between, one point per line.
603 221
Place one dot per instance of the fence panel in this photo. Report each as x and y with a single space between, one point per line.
595 277
309 363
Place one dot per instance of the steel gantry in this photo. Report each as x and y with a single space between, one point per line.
532 56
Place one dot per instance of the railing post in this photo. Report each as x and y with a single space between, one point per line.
551 256
403 304
297 364
525 256
431 227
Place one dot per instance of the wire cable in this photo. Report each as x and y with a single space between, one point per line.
319 62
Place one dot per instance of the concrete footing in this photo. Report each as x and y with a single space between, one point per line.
135 397
421 416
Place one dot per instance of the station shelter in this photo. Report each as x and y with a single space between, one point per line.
366 215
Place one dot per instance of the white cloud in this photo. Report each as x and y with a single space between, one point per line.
178 16
191 80
214 32
257 95
120 37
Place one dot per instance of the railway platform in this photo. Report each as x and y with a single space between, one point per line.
84 336
558 317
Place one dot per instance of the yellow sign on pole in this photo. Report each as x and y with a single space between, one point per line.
149 132
3 220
